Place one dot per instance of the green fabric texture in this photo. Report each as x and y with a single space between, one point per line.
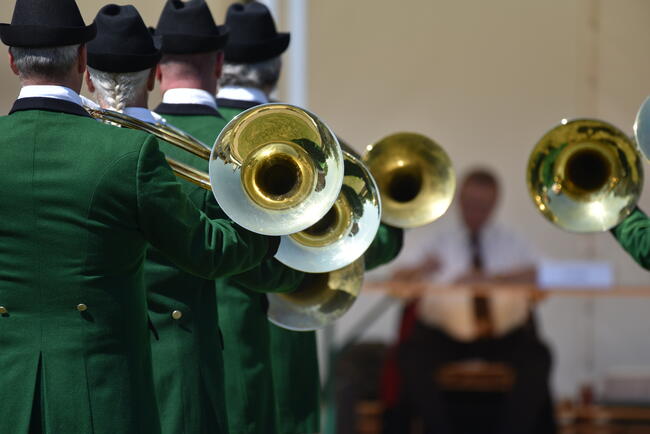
241 310
82 200
229 113
294 355
187 358
294 390
633 234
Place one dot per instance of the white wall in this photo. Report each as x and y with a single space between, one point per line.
486 80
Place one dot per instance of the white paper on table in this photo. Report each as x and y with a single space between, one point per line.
575 274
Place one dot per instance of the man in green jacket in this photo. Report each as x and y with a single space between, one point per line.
251 72
633 234
186 348
82 200
188 73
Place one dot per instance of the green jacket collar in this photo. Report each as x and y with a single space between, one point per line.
236 104
48 104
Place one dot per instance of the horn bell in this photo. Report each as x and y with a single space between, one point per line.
585 175
276 169
344 233
642 129
321 299
415 177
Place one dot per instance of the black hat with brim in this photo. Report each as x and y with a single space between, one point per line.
189 28
123 43
253 36
46 23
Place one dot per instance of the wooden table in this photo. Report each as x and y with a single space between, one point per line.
409 290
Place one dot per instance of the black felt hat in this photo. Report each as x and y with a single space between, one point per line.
188 27
46 23
123 42
253 37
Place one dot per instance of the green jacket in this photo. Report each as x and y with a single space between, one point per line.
187 343
294 355
82 201
231 293
294 390
633 234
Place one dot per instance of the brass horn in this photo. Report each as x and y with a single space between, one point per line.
346 231
642 129
278 169
585 175
275 169
415 177
320 300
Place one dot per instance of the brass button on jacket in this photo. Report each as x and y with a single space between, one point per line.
177 314
3 310
82 307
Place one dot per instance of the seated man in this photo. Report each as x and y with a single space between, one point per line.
462 326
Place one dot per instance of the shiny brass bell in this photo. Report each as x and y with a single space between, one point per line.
642 129
321 299
276 169
346 231
415 177
585 175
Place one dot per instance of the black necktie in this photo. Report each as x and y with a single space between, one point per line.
481 302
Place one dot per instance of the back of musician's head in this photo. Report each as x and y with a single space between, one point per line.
260 75
117 91
45 64
479 194
198 71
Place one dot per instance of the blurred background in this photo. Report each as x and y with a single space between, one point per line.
485 80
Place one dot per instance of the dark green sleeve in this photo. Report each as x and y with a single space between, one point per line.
633 234
271 276
170 222
385 247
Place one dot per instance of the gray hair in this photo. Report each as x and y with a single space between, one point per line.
261 75
50 62
117 91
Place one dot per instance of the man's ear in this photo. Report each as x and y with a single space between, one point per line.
151 81
89 83
158 72
12 63
83 59
218 67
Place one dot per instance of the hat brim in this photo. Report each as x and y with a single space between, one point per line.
191 44
123 63
44 36
257 51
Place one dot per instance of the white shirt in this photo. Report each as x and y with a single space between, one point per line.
48 91
190 96
502 251
145 115
242 94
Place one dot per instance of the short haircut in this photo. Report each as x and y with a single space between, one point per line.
481 176
49 62
195 65
260 75
117 91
